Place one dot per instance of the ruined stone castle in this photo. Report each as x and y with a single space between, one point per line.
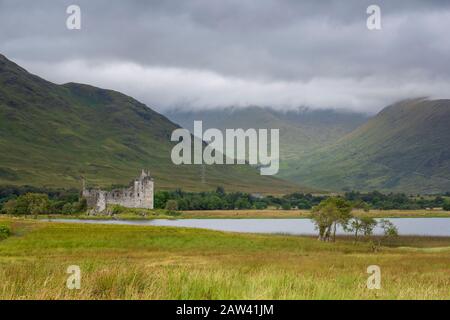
138 195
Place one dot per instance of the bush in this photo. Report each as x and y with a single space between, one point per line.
67 209
242 204
116 209
80 206
10 207
172 205
172 213
5 232
56 206
260 205
446 206
286 206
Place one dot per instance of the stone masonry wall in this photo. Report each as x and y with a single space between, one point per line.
138 195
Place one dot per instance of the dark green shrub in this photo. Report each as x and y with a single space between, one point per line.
80 206
446 206
116 209
260 205
5 232
173 213
172 205
67 209
286 206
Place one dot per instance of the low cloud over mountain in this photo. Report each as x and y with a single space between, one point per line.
218 53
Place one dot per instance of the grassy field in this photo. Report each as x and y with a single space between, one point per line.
134 262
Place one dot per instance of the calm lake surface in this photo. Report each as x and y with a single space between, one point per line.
406 226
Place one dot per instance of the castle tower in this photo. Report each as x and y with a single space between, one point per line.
143 174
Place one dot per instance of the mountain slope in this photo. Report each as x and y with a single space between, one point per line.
404 148
50 135
301 130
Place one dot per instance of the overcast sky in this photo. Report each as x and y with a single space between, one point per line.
209 53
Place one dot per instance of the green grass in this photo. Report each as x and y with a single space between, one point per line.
134 262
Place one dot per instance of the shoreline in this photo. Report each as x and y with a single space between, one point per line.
270 214
249 214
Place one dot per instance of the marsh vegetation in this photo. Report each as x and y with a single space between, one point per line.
135 262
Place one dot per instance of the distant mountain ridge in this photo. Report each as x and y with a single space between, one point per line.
301 130
51 135
405 148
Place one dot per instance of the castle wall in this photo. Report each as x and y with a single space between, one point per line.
138 195
102 202
95 199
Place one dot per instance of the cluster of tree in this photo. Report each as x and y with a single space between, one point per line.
34 201
334 212
238 200
390 201
68 201
220 200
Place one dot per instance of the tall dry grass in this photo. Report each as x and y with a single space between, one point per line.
131 262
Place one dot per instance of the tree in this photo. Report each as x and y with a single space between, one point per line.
365 225
81 205
355 225
30 203
67 208
446 206
359 204
183 204
322 216
19 206
389 229
344 213
38 203
260 205
160 199
329 214
214 202
368 224
286 205
172 205
220 191
10 207
242 203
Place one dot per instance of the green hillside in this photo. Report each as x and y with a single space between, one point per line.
51 135
405 148
301 130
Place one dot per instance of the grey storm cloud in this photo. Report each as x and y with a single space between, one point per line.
209 53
